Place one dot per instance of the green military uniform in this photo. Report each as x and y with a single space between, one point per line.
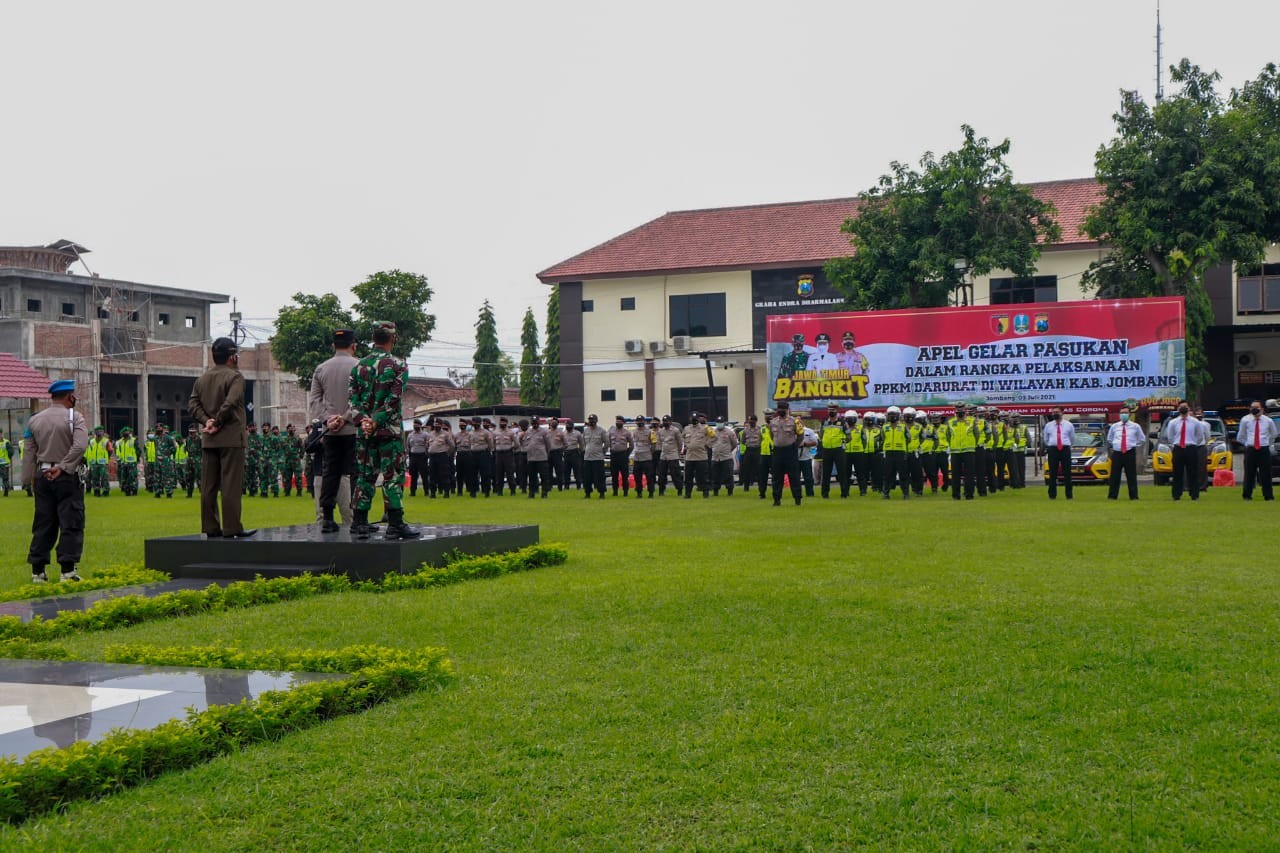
194 466
164 469
127 462
6 462
98 456
149 460
268 462
252 452
291 460
180 457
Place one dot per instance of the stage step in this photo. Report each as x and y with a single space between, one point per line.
246 571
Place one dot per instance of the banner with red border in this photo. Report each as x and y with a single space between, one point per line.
1035 354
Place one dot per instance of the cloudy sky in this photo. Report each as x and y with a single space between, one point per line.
264 148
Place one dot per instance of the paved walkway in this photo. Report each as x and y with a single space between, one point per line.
47 608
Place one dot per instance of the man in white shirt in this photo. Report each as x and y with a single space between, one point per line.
1123 438
1185 435
1257 433
1056 439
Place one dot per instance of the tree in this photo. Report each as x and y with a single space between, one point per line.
530 365
510 371
1187 184
551 352
488 383
304 333
400 297
919 235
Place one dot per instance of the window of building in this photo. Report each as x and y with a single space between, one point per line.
1258 292
628 303
189 322
1014 291
162 319
701 315
635 393
588 305
133 316
698 399
34 306
68 309
608 395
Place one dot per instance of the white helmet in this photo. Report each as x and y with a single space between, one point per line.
909 412
894 410
852 413
921 416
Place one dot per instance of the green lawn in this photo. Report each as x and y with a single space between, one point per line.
725 674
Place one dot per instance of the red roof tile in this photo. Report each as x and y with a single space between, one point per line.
767 235
19 380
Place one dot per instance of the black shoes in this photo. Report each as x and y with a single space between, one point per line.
397 529
243 534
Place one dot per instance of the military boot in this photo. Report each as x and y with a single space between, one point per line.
360 527
329 525
396 528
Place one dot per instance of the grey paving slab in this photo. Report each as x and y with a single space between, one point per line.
48 608
56 703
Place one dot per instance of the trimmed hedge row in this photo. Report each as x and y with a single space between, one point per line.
133 609
99 579
52 778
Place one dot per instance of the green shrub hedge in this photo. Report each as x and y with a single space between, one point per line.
95 579
133 609
51 778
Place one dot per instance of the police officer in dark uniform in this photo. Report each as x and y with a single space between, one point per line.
53 455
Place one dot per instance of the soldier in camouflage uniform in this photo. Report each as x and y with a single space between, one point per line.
194 454
377 385
127 462
291 460
6 463
252 451
165 474
266 461
98 457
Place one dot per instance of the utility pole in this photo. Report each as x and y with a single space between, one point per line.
1159 58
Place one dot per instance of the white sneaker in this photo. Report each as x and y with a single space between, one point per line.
39 577
72 575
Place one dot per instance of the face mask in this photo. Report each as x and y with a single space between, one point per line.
1124 416
1183 412
893 418
1057 417
1256 412
822 349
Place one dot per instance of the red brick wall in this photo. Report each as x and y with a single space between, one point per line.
175 355
62 340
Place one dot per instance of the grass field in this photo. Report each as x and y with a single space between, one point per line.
725 674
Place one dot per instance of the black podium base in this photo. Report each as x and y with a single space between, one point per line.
284 551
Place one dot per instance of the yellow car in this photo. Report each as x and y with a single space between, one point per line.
1219 456
1090 460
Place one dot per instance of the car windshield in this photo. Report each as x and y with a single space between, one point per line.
1084 439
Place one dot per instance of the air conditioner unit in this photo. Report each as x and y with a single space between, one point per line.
657 346
633 347
1246 360
682 343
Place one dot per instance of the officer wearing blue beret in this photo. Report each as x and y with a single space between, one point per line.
53 460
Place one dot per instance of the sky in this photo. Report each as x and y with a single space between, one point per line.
260 149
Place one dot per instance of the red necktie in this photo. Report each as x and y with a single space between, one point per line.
1257 434
1182 440
1124 439
1059 436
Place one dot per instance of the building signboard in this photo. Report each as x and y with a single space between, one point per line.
1028 355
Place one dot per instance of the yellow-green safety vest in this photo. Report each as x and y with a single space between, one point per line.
832 436
894 437
151 451
127 450
962 435
97 453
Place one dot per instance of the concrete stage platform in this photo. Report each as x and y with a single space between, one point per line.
285 551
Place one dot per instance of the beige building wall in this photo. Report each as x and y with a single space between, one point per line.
1067 264
1272 257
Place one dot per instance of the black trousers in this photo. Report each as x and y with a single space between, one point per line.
721 475
670 466
594 476
699 471
1018 468
895 468
982 470
339 457
835 461
861 465
643 471
1060 464
477 475
930 471
571 467
766 466
419 472
441 474
522 471
915 472
786 463
539 475
556 463
805 461
619 469
1187 470
1257 471
749 467
504 464
1127 463
962 472
1000 465
59 518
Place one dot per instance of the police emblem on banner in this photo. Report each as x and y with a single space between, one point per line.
1042 323
1021 324
1000 323
804 286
